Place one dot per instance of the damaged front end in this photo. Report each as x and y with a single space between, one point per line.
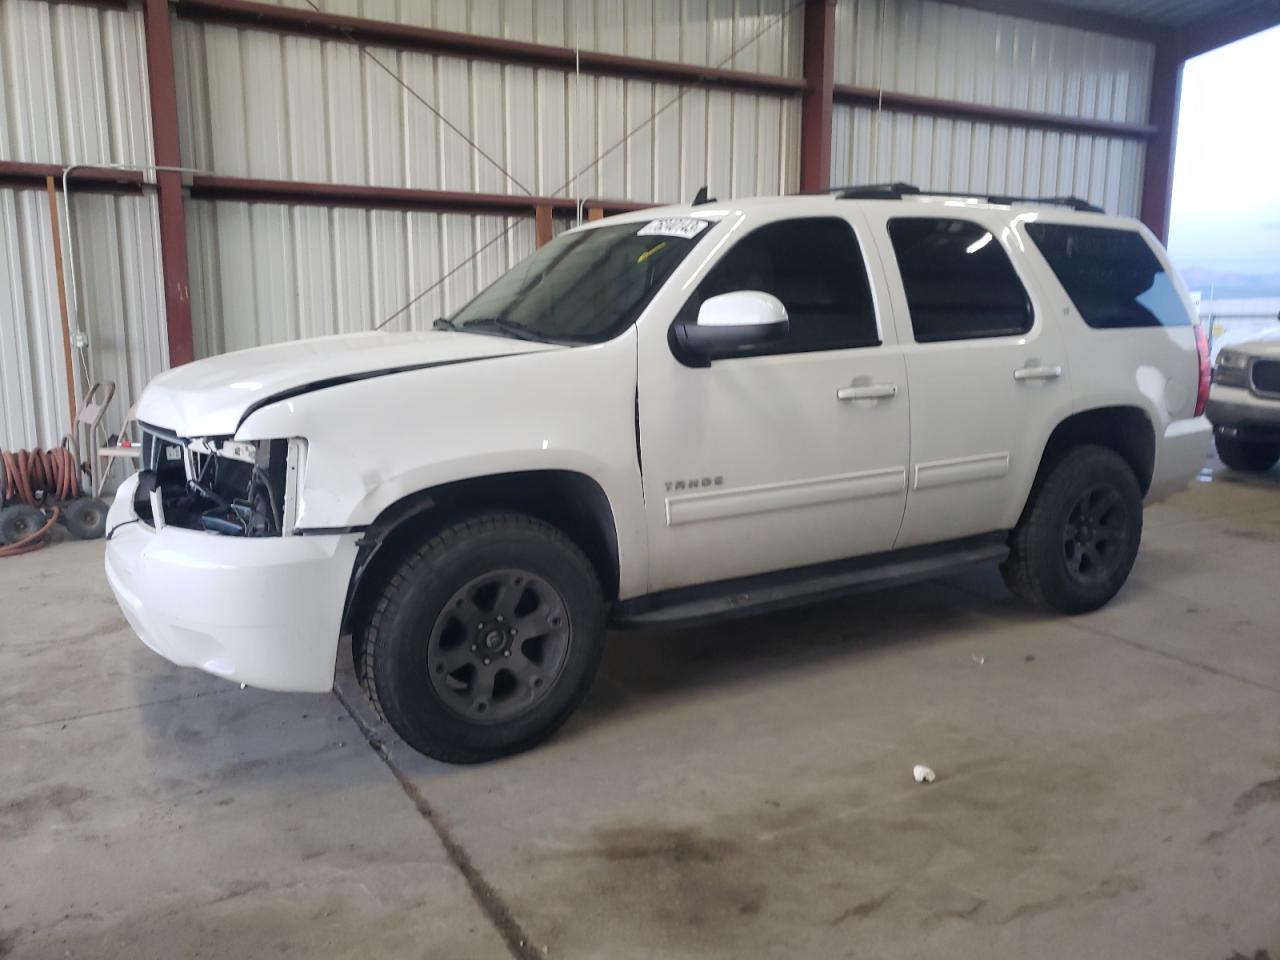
219 485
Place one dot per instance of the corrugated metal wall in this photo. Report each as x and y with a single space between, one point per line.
264 272
263 105
117 247
74 86
74 91
956 53
258 104
703 32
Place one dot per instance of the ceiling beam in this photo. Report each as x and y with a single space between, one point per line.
1238 21
17 173
393 198
984 113
292 20
1045 11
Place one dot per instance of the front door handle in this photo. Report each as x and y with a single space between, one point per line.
872 391
1037 373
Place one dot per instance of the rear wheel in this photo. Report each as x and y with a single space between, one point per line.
1078 538
485 640
1243 455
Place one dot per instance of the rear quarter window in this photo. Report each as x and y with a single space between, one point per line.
1111 275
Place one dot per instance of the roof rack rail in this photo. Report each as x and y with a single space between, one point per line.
896 191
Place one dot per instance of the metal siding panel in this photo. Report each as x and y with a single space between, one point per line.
665 29
941 154
320 111
959 53
121 308
74 85
266 272
641 143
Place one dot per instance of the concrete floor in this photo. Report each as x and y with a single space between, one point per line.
1107 785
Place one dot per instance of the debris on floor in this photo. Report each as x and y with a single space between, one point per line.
923 774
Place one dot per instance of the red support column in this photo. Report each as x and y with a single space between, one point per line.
1157 172
164 133
815 112
543 227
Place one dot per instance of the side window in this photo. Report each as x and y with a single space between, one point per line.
1111 276
814 266
959 281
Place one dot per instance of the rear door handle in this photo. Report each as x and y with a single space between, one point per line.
1037 373
872 391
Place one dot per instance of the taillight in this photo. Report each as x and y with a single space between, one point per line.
1206 371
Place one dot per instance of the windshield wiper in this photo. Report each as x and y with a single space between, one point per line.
444 323
500 325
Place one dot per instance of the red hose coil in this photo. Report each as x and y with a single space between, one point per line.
36 478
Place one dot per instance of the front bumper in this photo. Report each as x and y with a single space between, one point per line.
263 611
1180 454
1237 412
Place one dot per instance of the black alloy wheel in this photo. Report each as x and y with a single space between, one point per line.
1095 534
499 645
1078 536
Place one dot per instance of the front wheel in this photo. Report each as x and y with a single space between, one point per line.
1249 457
1078 538
485 640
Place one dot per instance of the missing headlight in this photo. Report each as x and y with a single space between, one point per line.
229 487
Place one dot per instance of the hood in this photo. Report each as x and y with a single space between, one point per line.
210 397
1265 345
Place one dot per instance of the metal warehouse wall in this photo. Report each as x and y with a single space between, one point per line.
265 272
966 55
261 105
74 91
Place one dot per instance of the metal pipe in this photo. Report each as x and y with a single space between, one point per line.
70 248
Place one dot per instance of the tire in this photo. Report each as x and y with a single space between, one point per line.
19 522
485 640
86 518
1078 537
1249 457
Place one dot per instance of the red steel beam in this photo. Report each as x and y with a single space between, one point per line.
544 228
103 4
815 109
15 173
1157 167
930 106
329 26
173 226
392 198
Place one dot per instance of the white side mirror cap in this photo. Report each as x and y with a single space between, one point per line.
742 308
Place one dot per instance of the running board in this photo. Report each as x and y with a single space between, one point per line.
747 596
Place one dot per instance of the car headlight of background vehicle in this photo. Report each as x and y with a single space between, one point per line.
1231 369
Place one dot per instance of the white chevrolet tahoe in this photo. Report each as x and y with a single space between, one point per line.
659 419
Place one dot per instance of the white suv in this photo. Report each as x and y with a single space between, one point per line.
663 418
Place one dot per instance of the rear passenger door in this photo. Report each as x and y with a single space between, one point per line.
783 455
986 367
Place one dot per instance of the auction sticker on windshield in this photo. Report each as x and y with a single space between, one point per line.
687 227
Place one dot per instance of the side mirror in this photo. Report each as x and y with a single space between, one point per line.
732 322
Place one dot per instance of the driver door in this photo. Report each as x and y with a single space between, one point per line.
786 454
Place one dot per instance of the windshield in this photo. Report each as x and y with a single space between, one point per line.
582 287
